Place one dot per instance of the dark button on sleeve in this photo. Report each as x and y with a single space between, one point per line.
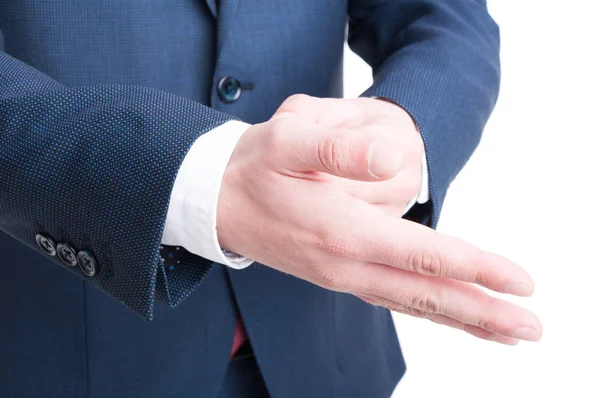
87 263
46 244
229 89
67 254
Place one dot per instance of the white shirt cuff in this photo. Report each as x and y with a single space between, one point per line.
192 215
423 196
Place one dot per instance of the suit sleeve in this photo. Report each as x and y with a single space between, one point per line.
94 167
439 60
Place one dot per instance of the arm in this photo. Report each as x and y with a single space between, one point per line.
438 59
94 167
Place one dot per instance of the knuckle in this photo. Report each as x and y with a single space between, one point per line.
479 277
424 263
335 246
277 134
426 302
331 278
487 324
415 312
279 128
294 101
412 312
333 153
487 319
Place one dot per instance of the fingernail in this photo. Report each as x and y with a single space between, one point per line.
384 159
526 334
519 288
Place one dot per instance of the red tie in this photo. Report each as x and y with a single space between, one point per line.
239 337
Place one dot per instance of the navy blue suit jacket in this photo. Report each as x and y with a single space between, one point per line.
100 101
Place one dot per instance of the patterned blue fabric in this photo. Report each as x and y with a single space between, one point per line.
94 166
99 103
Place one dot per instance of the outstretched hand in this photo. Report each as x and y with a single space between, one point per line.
317 191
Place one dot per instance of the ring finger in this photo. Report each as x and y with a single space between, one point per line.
440 319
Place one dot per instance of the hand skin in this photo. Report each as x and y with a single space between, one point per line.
317 191
383 119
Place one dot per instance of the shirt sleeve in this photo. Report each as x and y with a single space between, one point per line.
192 215
423 196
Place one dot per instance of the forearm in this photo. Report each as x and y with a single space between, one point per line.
94 167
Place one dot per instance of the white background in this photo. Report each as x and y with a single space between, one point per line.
530 192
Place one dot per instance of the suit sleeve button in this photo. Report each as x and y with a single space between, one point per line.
46 244
87 263
67 254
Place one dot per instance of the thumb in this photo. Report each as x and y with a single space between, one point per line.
341 152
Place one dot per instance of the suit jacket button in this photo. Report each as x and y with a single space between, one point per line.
67 254
229 89
46 244
87 263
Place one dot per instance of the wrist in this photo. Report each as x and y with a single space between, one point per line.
192 214
231 195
